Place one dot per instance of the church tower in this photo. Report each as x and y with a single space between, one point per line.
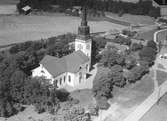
83 40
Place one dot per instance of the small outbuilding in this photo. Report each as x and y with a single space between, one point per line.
26 10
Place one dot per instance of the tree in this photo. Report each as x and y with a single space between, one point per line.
14 49
116 75
152 44
147 54
136 46
103 103
37 91
137 73
110 58
103 87
130 62
17 84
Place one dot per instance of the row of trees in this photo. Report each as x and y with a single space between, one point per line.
121 69
16 85
140 8
120 7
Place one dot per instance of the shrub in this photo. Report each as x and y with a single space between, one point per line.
136 46
152 44
93 109
147 54
137 73
130 62
102 103
62 95
103 87
122 40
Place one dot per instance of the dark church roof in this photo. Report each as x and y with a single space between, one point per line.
70 63
161 2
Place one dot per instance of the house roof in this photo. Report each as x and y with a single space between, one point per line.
70 63
161 2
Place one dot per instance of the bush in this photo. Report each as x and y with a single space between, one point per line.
137 73
62 95
76 113
122 40
103 87
93 109
102 103
130 62
136 46
152 44
148 54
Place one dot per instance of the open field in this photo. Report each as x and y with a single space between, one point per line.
8 2
14 29
133 19
157 112
7 9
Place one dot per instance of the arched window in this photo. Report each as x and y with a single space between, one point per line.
60 81
87 67
69 78
80 77
64 79
55 83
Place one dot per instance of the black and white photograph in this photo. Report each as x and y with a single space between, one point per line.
83 60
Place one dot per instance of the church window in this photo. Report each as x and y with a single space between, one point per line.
55 83
69 78
80 77
42 72
87 67
60 81
64 79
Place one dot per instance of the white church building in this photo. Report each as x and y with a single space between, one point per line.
69 70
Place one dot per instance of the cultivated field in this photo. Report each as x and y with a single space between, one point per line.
14 29
7 9
8 2
133 19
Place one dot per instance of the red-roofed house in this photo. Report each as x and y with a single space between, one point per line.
71 69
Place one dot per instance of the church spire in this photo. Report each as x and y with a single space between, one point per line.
84 17
83 29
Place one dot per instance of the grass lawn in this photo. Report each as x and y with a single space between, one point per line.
157 112
8 2
85 97
161 77
15 29
161 66
135 93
